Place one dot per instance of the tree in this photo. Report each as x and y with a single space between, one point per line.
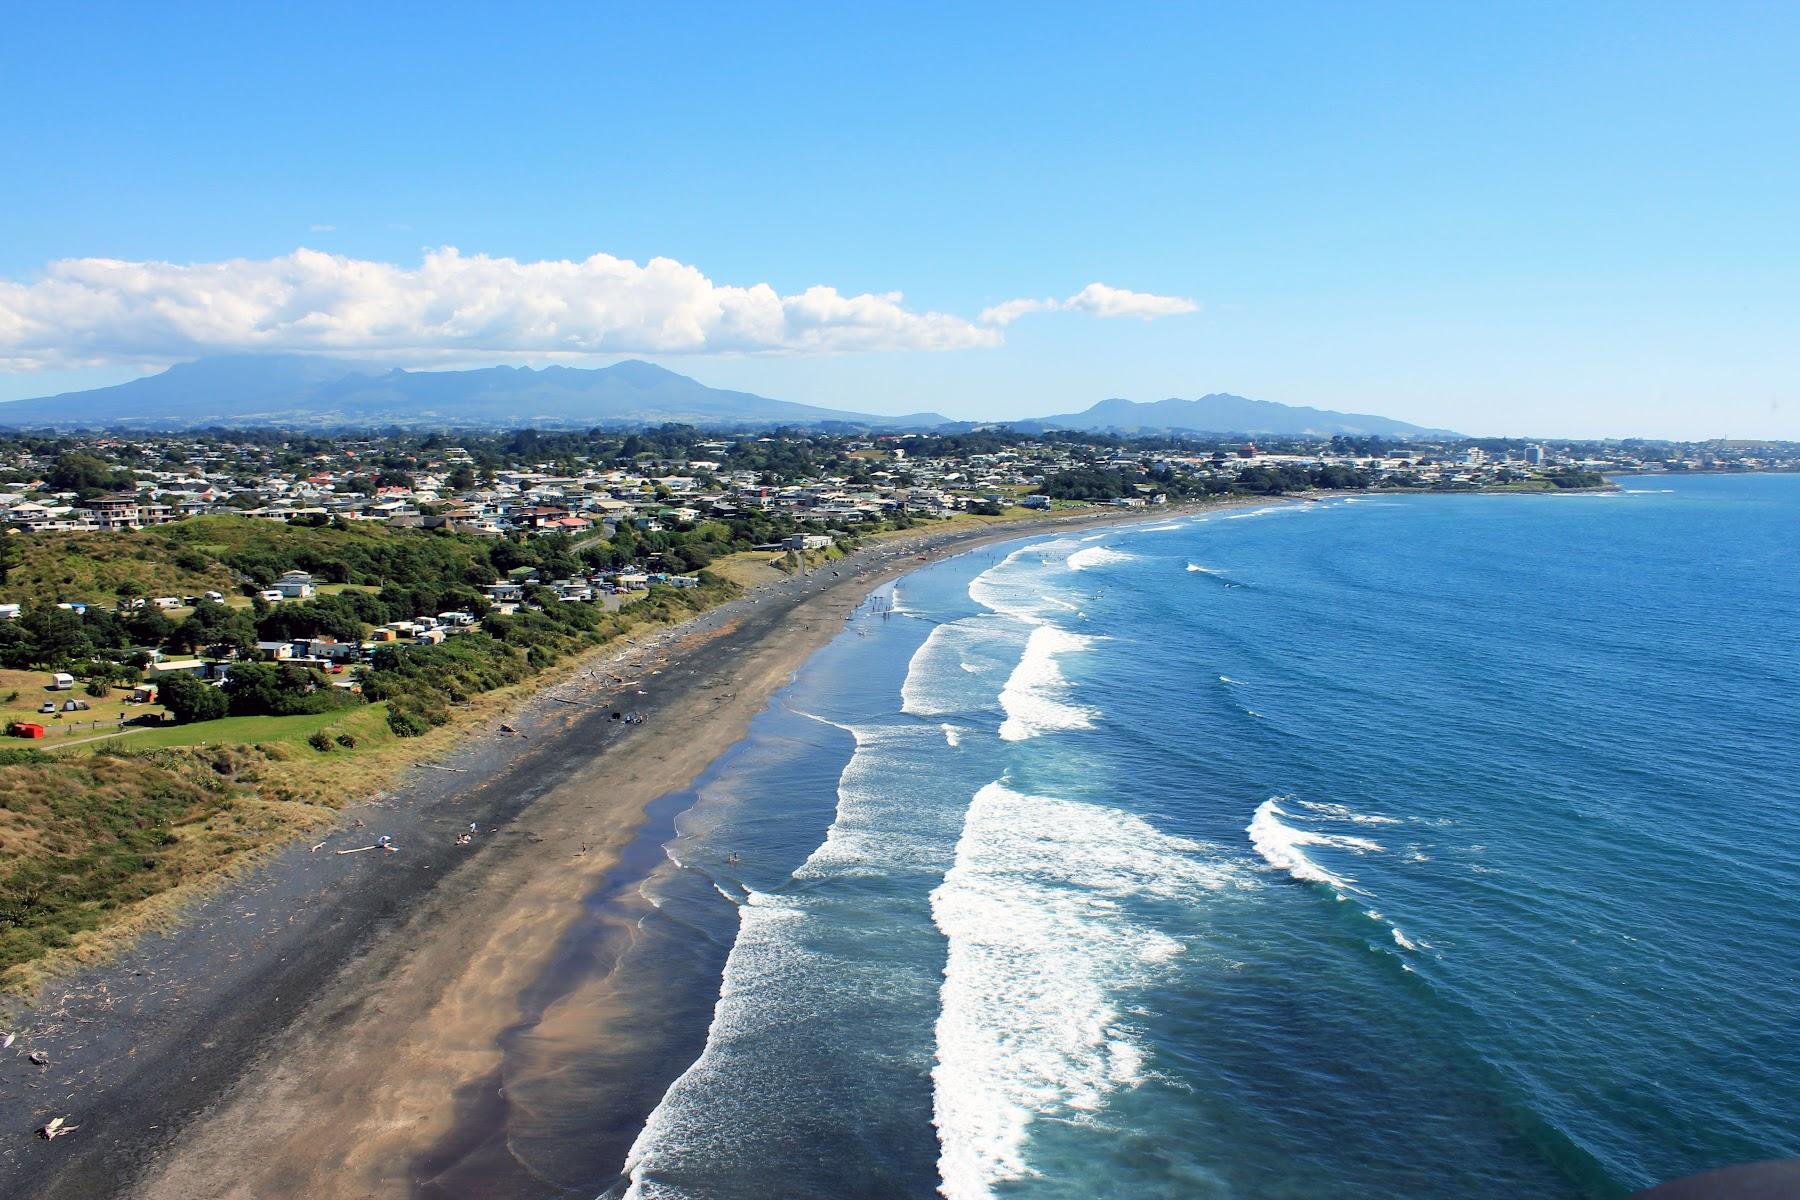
54 635
189 700
253 689
79 471
10 555
213 626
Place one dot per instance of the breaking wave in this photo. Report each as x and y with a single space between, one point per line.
1042 962
1284 846
1097 556
1032 697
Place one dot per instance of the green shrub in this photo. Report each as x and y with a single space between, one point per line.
406 724
320 741
347 740
189 700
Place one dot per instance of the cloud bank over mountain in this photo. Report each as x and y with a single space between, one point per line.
456 307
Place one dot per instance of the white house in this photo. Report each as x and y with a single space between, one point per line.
295 585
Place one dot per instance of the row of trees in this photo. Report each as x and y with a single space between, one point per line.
1107 483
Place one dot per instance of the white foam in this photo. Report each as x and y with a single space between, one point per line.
1282 847
952 735
919 693
937 679
877 828
1032 697
1342 812
1097 556
1041 961
1015 586
1401 940
1229 679
777 977
686 1119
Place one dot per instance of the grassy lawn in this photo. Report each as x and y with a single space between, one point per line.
33 690
362 722
749 568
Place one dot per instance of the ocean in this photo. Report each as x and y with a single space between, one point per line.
1424 846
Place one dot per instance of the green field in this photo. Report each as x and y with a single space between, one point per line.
364 723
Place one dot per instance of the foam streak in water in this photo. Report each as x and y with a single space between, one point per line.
1097 556
1032 697
1041 957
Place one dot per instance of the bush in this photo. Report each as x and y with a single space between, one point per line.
189 700
99 687
347 741
405 724
320 741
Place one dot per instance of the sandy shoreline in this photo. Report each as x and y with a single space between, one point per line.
331 1026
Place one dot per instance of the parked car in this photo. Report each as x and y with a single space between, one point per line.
48 706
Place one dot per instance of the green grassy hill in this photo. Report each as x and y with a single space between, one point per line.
223 553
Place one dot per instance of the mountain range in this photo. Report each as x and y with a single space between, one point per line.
304 392
1222 412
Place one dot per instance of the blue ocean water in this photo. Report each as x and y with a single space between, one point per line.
1394 846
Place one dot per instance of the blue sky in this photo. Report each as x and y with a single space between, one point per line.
1528 219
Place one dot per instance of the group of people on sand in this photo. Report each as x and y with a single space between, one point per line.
467 838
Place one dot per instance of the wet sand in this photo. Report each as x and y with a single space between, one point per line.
333 1026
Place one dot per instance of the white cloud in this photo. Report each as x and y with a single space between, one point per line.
1008 311
451 306
1096 300
1099 300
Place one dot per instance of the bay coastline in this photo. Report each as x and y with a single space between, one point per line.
329 1026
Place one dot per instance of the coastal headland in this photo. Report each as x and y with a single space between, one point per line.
330 1024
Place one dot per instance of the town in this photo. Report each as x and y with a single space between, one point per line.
530 483
347 570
